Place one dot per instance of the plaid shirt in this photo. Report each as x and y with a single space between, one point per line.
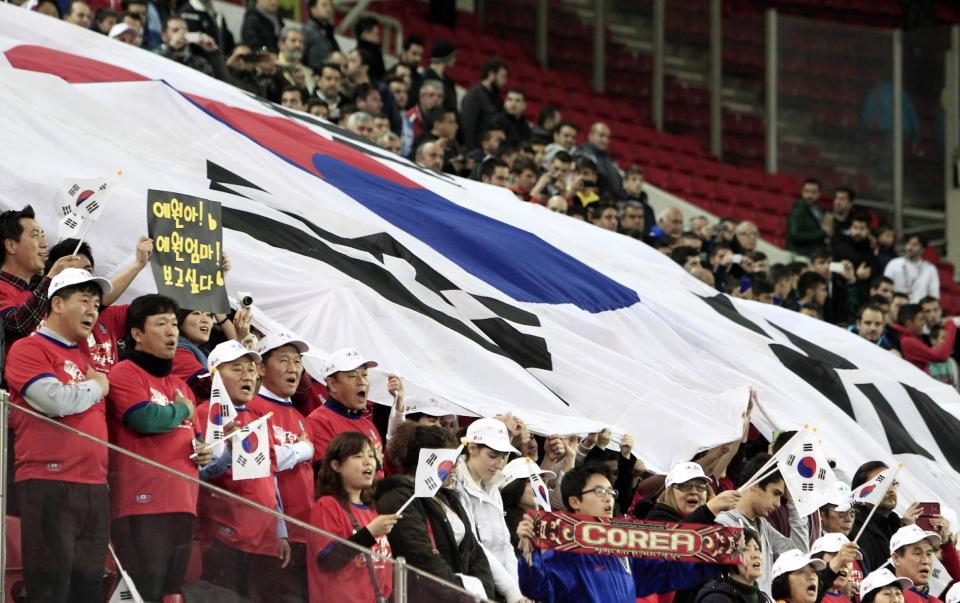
21 321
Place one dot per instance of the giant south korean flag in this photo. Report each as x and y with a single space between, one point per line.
491 303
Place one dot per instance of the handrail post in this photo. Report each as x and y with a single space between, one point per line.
772 108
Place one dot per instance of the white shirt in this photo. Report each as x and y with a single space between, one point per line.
918 279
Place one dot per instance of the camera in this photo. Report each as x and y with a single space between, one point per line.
244 299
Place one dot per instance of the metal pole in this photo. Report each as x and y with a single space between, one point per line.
4 416
659 11
599 47
542 9
952 142
898 130
772 116
399 580
716 80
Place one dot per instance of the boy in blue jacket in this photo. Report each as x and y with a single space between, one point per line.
559 577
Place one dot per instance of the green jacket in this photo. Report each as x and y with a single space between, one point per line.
804 234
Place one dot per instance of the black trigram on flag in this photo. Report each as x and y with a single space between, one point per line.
73 190
70 222
242 460
126 595
808 447
259 459
791 459
432 459
879 479
432 483
92 207
807 487
822 474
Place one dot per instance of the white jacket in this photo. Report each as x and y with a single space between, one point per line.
485 509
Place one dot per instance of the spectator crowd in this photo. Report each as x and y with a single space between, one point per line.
140 376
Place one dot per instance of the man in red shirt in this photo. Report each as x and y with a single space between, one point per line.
101 344
910 325
280 371
150 412
23 286
62 477
249 547
345 373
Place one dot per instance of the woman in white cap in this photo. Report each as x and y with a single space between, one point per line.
882 586
842 576
912 551
795 578
740 584
478 475
688 497
517 492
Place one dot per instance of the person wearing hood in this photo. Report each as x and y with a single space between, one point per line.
796 577
434 534
739 585
477 477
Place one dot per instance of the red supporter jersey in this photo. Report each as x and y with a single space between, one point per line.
186 366
44 451
136 488
12 297
911 595
235 524
101 344
296 484
332 418
350 584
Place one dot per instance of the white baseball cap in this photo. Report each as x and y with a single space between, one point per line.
492 433
521 469
76 276
840 497
880 578
121 28
229 351
793 560
346 359
912 534
279 339
953 595
831 543
684 472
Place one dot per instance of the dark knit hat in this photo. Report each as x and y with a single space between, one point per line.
442 49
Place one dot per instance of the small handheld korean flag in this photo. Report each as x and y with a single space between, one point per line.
221 413
126 590
251 451
872 492
82 204
541 495
434 467
806 473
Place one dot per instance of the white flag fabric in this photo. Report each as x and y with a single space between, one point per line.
806 472
435 464
480 299
82 204
872 492
126 590
251 451
221 412
541 495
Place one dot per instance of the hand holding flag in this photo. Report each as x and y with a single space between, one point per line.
221 413
82 205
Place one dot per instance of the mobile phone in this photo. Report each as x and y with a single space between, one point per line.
836 267
193 37
927 511
736 258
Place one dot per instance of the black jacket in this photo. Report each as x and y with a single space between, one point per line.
701 514
318 43
516 128
875 541
203 22
480 106
409 537
259 31
377 68
725 590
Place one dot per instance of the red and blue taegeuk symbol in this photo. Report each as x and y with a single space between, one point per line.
807 467
83 197
250 442
867 490
216 414
443 469
543 492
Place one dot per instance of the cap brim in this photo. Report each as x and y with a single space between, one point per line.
500 447
256 358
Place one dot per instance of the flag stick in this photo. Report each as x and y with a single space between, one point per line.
82 237
205 447
758 478
405 505
125 577
874 509
536 499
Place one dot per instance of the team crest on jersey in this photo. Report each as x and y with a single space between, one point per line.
54 467
73 370
143 498
158 397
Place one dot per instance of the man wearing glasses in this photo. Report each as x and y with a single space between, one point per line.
875 541
561 576
345 373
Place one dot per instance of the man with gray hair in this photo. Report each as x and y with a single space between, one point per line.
390 142
430 156
669 223
631 219
430 96
360 123
746 236
291 57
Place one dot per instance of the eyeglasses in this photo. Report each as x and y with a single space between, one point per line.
600 491
690 487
